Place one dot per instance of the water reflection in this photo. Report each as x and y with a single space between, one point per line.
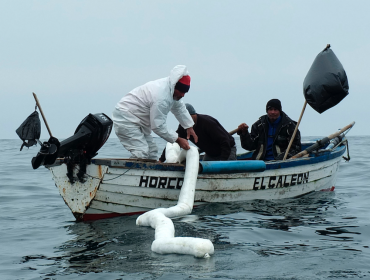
263 228
281 214
279 227
336 231
119 245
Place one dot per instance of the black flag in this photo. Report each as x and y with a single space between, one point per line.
326 82
30 130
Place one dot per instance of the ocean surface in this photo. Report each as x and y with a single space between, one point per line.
322 235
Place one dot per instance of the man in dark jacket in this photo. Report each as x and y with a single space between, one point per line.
271 134
213 139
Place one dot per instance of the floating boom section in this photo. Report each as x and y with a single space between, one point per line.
165 241
221 167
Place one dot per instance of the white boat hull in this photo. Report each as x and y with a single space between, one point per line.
113 189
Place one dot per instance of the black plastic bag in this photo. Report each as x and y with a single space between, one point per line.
30 130
326 82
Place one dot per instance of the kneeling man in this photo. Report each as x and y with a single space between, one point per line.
213 139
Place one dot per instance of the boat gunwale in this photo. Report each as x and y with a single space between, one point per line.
270 165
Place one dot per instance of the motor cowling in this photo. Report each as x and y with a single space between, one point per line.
90 135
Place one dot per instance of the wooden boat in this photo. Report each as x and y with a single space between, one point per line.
114 187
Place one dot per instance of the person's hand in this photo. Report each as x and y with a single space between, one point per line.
190 131
242 128
183 143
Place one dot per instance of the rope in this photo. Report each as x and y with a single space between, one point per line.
107 179
348 157
344 140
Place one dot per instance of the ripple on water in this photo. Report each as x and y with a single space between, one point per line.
322 235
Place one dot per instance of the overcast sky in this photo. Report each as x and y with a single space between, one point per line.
82 57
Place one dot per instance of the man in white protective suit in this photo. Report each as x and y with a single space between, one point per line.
145 108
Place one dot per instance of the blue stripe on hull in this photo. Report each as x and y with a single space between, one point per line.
233 166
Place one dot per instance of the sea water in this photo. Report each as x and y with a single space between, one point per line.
322 235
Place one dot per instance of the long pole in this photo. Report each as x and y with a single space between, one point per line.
42 113
295 131
323 141
233 131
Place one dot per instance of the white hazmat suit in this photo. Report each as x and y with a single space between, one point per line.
145 109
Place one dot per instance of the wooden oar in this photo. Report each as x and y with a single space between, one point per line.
232 132
322 142
42 113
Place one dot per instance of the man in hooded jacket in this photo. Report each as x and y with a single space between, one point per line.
145 108
270 135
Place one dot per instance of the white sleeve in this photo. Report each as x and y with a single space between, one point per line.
182 114
158 118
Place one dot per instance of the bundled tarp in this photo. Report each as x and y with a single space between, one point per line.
29 131
326 82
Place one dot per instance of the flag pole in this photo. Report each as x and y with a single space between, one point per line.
42 113
295 131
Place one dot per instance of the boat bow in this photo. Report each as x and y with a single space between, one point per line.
78 195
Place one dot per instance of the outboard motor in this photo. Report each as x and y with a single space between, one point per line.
90 135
